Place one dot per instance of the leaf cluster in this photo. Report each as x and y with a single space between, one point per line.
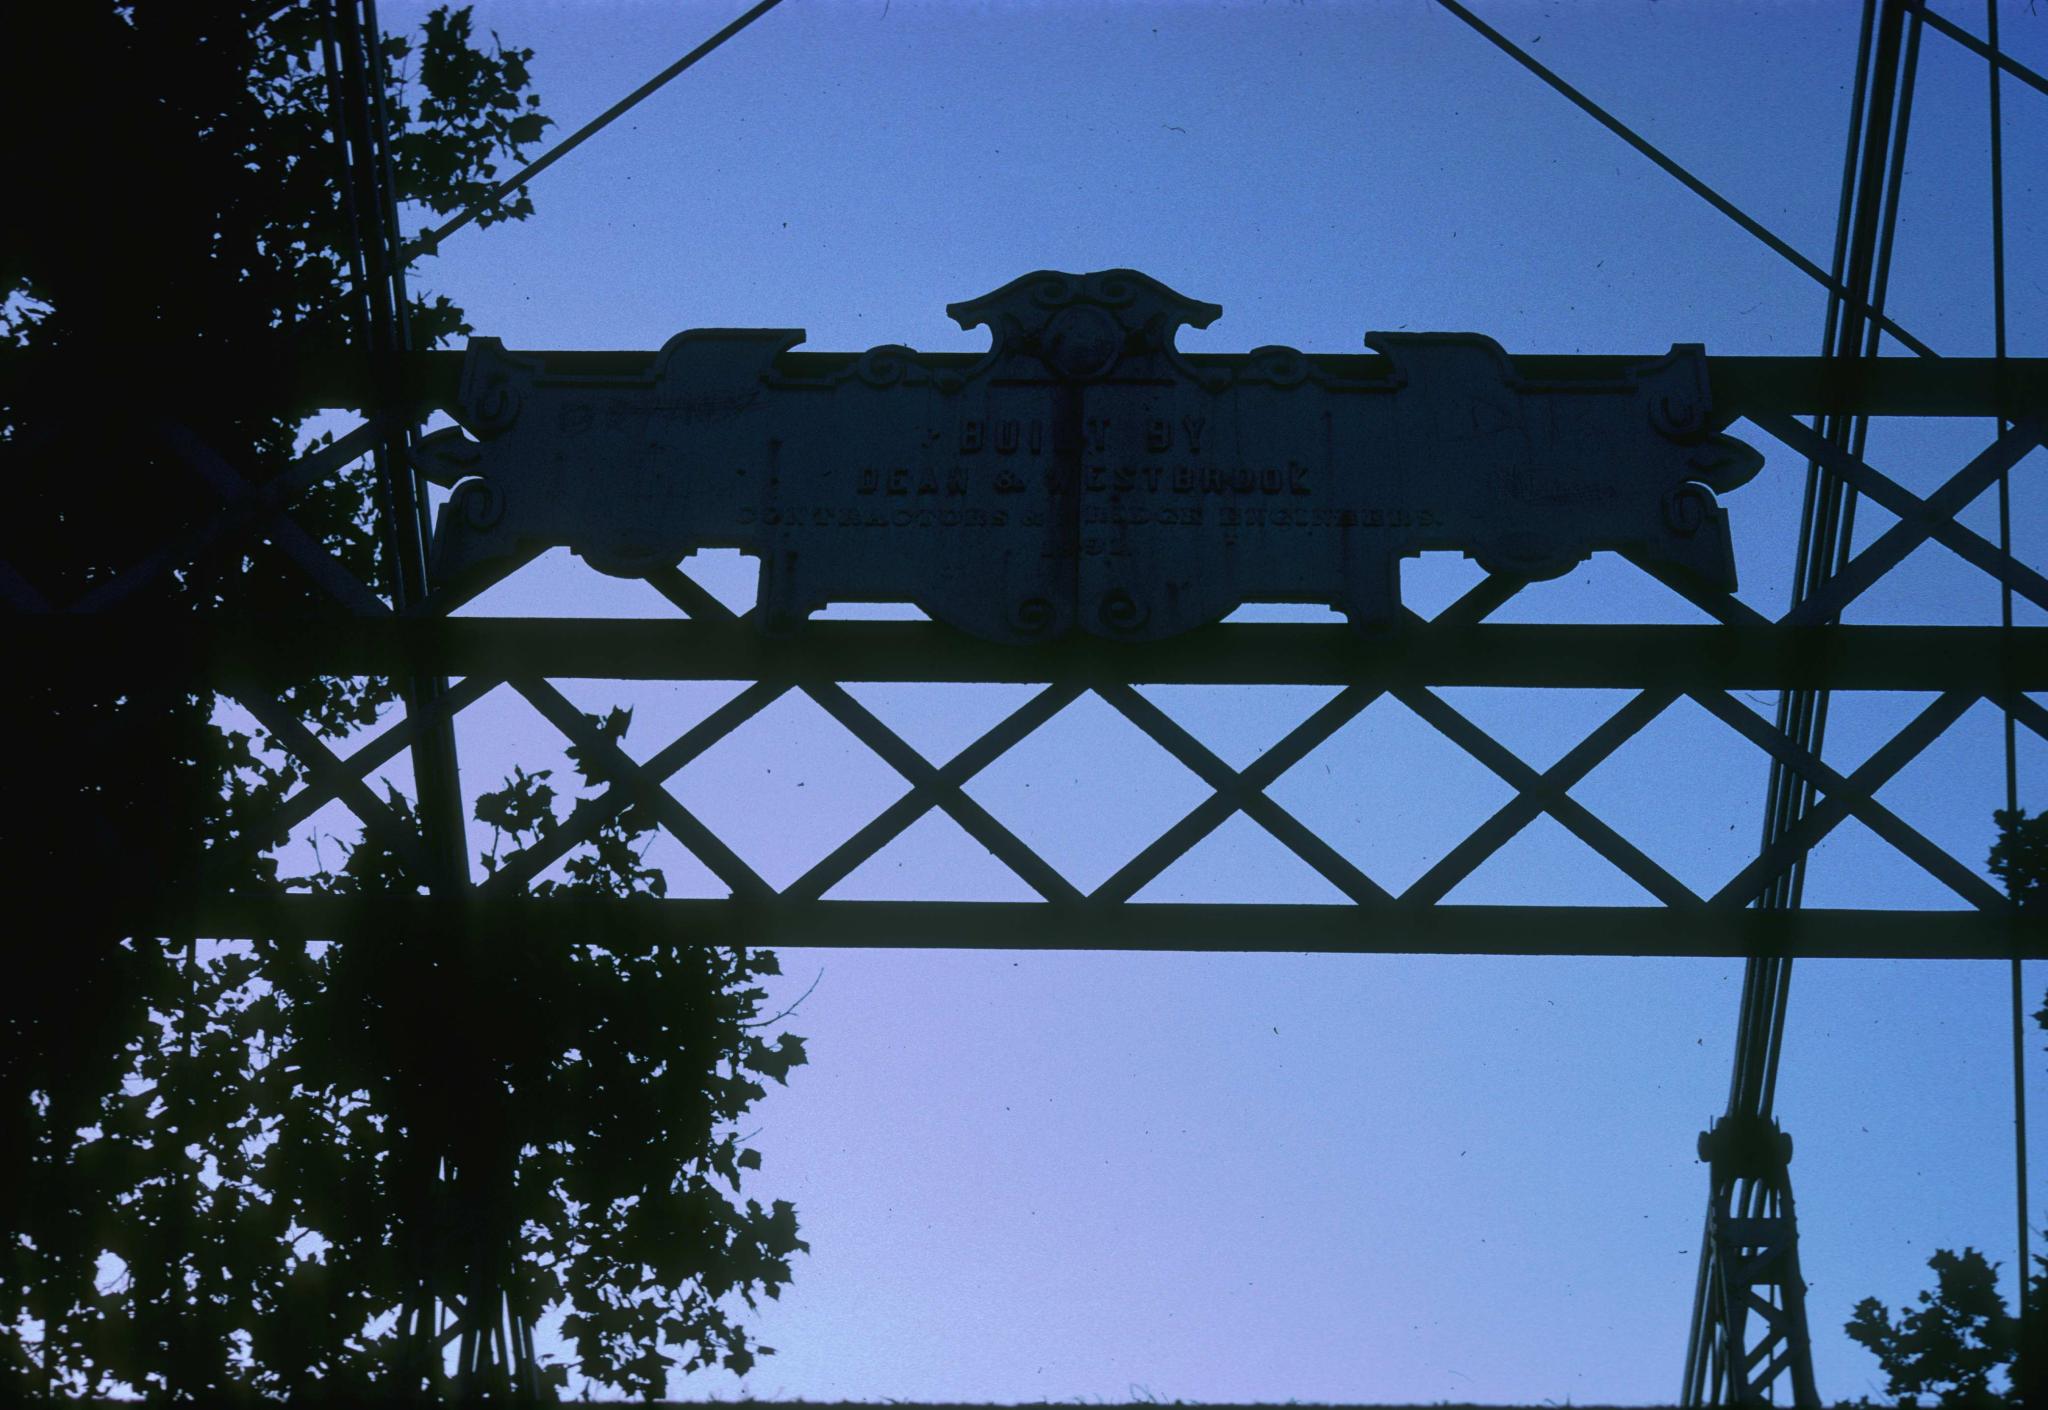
2019 858
1959 1336
227 1170
586 1092
1951 1343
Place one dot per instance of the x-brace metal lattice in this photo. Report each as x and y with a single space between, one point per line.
943 786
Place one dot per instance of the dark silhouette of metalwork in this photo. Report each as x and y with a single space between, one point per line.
492 1343
1527 463
1751 1197
1719 1366
1083 474
1755 1265
1751 1219
1746 651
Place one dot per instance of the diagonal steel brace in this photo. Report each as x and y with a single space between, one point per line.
1820 819
608 758
590 814
1547 792
974 819
318 564
941 787
1890 548
1873 814
1925 518
1232 788
286 728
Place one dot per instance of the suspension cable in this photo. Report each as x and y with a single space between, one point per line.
429 242
2022 1352
1765 982
1873 168
1988 52
1686 178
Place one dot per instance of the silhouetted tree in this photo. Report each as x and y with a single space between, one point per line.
1952 1344
1961 1335
198 1143
591 1090
2020 856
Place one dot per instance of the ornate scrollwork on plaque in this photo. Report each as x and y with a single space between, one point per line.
1083 474
1081 328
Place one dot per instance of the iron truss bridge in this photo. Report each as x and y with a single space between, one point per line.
254 660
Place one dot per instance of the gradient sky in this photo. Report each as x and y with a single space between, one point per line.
1031 1176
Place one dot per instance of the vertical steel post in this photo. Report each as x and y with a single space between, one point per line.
358 81
2026 1376
1751 1235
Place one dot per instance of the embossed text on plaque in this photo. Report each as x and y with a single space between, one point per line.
1083 473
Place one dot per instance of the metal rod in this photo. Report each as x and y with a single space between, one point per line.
1865 220
371 183
1378 928
429 243
2022 1353
1999 61
432 378
1687 179
1744 657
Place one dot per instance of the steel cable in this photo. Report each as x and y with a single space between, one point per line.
429 242
2012 768
1692 183
1866 221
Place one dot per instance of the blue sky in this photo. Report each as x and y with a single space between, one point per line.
1232 1178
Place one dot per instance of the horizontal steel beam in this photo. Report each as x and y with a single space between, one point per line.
1893 386
1752 657
1888 386
1250 928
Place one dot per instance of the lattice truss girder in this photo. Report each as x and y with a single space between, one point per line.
247 509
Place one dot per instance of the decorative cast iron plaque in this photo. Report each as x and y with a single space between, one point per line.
1083 473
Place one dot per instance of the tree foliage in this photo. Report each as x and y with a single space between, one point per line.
1960 1343
591 1092
1951 1344
224 1168
2020 856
